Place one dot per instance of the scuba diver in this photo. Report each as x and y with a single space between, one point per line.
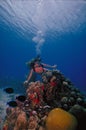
37 67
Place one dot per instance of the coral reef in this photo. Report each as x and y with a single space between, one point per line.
54 98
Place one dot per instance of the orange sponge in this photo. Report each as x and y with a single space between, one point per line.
59 119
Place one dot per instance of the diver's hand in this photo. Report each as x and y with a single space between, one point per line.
26 82
54 66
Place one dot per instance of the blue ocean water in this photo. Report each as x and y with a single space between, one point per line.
54 29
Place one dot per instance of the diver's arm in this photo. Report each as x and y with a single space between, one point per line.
29 77
46 65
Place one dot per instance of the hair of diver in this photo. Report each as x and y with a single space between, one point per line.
32 61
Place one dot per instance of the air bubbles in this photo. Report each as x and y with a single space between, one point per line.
39 40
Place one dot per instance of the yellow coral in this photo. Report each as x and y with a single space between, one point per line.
59 119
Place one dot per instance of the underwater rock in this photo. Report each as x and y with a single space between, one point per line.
84 103
9 90
68 81
80 113
77 110
79 101
73 94
64 100
79 95
72 88
71 101
59 119
77 90
65 106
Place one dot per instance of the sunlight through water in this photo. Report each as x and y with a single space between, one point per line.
34 16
